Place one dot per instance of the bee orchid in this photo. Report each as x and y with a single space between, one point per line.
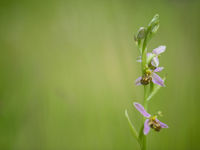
153 56
149 76
151 121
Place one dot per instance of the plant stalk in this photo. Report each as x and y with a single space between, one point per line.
144 61
144 142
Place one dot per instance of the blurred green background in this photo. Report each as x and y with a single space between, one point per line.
67 71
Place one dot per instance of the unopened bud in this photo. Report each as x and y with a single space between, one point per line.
141 33
154 24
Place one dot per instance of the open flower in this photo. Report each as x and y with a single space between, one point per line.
155 53
153 56
149 76
151 121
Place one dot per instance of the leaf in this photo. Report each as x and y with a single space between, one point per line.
133 130
141 135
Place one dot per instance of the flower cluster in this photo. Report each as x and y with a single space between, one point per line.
152 68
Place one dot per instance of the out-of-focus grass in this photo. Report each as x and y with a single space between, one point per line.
68 71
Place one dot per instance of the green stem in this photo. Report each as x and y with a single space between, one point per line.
144 142
144 61
145 97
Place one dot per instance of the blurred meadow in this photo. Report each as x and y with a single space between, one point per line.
67 71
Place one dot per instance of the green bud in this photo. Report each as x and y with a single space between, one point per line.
155 28
152 27
141 33
154 24
155 20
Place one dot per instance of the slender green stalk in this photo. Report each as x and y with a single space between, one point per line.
144 61
144 145
144 57
145 97
144 141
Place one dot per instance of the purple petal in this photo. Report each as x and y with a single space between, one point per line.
155 61
159 50
141 109
156 79
137 81
162 124
158 69
146 127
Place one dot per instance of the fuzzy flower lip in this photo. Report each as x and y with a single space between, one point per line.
156 79
151 121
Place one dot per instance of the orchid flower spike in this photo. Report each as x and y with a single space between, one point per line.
151 121
149 76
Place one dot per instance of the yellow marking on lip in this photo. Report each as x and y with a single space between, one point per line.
154 117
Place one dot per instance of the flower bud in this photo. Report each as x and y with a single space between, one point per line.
154 24
141 33
152 27
155 28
